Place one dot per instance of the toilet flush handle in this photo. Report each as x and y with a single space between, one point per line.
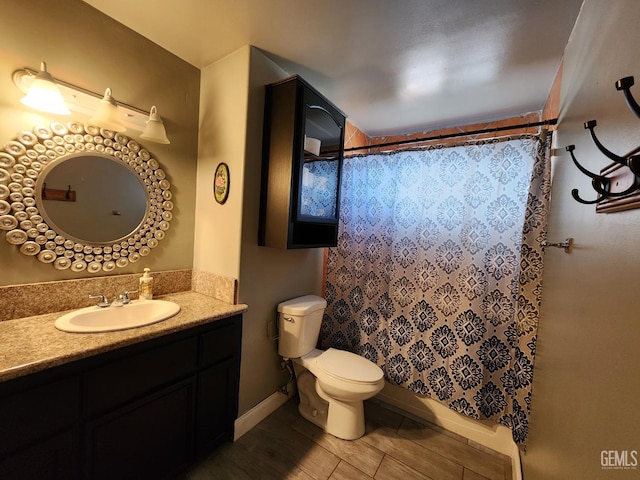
289 319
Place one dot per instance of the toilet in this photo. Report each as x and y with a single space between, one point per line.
332 384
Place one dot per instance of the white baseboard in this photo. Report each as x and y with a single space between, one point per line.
261 411
488 434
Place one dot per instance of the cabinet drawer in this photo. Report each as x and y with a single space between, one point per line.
129 377
33 414
220 344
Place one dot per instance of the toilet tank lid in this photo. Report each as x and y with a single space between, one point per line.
302 305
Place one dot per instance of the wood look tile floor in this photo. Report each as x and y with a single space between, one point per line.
394 447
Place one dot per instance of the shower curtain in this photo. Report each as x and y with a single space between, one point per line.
437 273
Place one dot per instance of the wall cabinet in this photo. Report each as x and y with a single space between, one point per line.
303 145
144 411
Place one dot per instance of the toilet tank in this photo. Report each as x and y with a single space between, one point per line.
299 322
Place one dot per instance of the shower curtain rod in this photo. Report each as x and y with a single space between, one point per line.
551 121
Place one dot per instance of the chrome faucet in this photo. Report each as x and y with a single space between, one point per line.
120 300
102 302
123 298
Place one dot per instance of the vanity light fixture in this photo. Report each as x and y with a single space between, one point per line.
86 102
155 131
44 94
107 115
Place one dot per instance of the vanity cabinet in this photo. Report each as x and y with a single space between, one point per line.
143 411
303 145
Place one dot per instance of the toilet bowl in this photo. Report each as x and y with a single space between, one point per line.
332 384
343 380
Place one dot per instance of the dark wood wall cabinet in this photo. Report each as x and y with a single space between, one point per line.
303 145
141 412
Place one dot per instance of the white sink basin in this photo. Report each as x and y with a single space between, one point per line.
138 313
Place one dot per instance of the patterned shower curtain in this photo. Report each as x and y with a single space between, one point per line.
437 273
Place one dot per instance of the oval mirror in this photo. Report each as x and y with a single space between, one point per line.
82 198
91 198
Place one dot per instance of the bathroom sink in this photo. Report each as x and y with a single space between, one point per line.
138 313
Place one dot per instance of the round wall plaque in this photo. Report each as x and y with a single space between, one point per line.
221 183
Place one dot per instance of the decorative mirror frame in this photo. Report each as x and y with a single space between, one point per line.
23 161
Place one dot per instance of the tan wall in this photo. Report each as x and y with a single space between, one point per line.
586 389
84 47
223 107
267 275
226 235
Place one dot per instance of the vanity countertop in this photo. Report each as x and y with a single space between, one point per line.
32 344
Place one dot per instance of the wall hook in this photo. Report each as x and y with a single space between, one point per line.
576 196
598 182
591 125
567 245
593 176
60 195
618 184
625 85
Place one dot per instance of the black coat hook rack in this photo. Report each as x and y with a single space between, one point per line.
67 195
618 184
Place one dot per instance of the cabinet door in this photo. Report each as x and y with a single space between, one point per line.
318 164
152 438
38 411
53 459
217 405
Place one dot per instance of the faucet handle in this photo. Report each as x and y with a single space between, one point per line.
102 300
124 297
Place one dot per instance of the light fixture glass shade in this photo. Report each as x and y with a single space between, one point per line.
44 94
106 115
154 131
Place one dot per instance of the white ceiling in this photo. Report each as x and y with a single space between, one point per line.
393 66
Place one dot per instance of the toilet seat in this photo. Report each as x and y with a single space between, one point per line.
348 367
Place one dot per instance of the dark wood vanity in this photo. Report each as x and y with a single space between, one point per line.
146 410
